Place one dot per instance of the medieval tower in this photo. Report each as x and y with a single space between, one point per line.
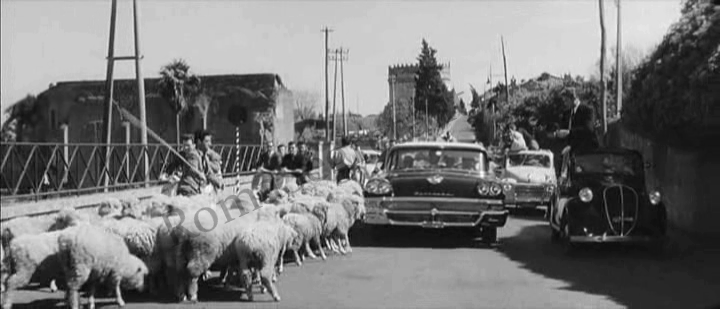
404 75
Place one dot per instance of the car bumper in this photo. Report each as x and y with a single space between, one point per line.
611 239
439 212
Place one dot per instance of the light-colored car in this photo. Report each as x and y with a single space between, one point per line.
529 179
372 160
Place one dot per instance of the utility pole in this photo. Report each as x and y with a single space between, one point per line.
394 120
327 91
141 95
618 61
507 86
334 107
342 89
109 85
107 108
602 66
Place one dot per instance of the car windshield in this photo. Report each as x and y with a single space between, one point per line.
607 163
432 158
525 159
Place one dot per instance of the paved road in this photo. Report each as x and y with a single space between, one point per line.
461 129
427 269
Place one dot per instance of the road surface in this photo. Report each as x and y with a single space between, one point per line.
440 269
461 129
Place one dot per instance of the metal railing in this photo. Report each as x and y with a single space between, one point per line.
33 171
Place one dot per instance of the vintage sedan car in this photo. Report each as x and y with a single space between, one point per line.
530 179
603 199
437 185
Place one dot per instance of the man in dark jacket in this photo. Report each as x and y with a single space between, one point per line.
580 133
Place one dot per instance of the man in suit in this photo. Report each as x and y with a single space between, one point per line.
580 132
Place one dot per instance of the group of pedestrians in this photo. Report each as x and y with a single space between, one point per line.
199 168
294 159
349 161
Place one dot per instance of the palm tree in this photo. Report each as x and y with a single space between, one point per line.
177 85
202 102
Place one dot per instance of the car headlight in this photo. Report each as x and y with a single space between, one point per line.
483 188
550 188
655 197
586 195
378 186
495 189
507 187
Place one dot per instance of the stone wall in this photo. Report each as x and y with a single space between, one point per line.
687 180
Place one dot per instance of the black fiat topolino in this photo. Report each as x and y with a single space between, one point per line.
603 198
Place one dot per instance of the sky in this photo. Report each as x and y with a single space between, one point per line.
45 42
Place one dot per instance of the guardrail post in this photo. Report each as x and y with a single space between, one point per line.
321 159
331 148
66 152
128 139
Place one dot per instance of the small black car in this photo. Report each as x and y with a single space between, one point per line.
602 198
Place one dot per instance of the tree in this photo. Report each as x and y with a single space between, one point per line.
265 119
430 86
405 121
202 102
21 115
178 85
305 104
461 107
673 92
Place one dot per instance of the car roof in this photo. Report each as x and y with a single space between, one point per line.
620 151
539 152
374 152
441 145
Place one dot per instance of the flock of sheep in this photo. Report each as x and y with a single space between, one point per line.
167 245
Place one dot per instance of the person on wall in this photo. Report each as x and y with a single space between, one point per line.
192 178
211 160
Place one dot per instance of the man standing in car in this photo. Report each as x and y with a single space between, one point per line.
580 129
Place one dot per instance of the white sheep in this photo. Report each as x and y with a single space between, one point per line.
198 250
90 255
16 227
258 246
351 186
309 228
30 257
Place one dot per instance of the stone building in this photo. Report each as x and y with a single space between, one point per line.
79 105
405 81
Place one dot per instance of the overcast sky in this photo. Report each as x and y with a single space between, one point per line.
45 42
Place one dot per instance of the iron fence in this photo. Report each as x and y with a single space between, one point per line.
43 170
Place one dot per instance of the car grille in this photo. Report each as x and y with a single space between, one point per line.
621 208
529 191
433 193
446 218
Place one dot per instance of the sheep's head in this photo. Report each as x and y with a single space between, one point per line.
110 207
277 196
291 187
66 217
357 204
134 274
